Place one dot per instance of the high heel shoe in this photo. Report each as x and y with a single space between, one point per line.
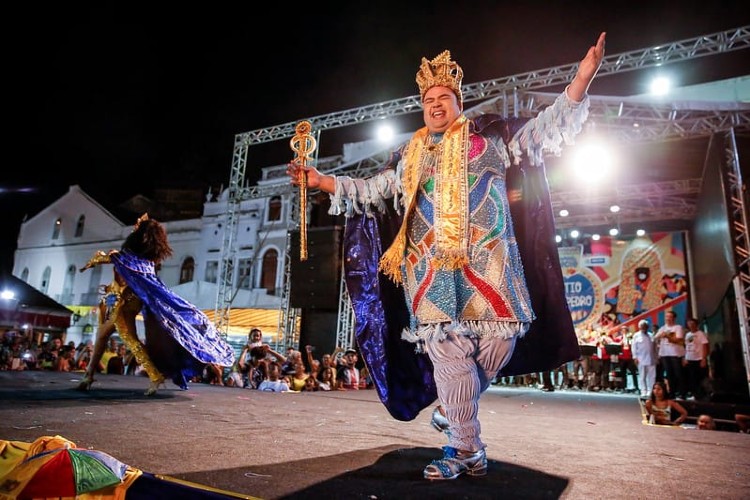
153 387
85 384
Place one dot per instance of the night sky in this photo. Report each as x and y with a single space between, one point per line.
121 98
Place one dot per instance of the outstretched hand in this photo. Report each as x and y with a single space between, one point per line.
590 64
587 69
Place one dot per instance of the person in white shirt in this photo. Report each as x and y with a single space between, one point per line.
696 357
644 355
273 383
671 341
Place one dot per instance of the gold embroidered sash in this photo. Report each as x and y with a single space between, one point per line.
451 198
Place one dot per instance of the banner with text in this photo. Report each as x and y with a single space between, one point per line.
611 282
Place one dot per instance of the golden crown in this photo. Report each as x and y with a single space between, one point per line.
442 72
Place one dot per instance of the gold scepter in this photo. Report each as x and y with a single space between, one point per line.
303 144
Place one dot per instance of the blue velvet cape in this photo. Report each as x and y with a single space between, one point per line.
179 337
403 378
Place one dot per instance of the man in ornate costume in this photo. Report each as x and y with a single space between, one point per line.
468 245
180 339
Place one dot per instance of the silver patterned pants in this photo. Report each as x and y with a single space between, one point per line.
463 369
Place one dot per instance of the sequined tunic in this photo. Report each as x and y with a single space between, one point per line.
491 288
487 297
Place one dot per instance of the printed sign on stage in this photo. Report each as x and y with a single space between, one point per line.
611 282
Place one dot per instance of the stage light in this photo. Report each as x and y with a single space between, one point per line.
385 133
641 232
592 161
575 233
595 237
7 295
660 85
614 209
564 213
558 238
614 231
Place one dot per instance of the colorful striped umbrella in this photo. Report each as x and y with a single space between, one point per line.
65 472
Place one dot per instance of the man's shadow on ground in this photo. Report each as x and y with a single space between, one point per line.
393 473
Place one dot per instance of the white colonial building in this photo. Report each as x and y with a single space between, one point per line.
55 243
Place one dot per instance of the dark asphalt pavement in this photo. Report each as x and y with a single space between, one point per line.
345 445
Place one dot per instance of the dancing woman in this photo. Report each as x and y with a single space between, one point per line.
180 339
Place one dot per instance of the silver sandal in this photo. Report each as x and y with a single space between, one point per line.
453 465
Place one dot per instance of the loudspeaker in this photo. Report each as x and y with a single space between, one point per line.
315 281
318 329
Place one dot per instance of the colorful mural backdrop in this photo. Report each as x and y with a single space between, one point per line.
611 282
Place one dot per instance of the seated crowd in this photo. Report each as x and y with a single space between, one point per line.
262 368
257 367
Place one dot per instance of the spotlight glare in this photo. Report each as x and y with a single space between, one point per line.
595 237
574 233
558 238
641 232
614 209
385 133
660 85
592 162
614 231
564 213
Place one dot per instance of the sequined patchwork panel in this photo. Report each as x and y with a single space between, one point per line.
492 286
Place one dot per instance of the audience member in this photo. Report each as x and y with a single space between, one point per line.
234 378
84 356
706 423
600 363
696 358
64 362
289 366
625 363
116 364
109 352
311 384
347 377
299 378
671 344
327 380
660 406
273 383
644 356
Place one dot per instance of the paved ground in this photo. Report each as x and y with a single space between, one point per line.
345 445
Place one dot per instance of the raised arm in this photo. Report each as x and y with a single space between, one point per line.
99 257
587 70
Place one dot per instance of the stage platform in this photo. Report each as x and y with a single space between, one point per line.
345 445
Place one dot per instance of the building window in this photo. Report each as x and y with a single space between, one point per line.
212 271
25 274
245 274
45 280
268 273
274 208
187 270
56 229
91 297
79 226
67 292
